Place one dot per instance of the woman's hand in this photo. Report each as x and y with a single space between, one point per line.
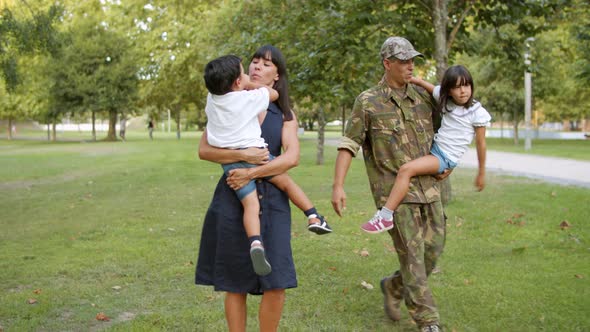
238 178
256 156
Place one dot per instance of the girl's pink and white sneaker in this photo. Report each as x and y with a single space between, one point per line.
377 225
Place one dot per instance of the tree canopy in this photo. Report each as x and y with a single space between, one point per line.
108 57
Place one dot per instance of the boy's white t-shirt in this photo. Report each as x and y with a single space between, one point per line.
457 127
232 118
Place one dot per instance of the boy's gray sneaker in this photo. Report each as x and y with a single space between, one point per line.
259 262
391 300
430 328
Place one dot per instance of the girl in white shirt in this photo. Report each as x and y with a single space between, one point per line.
462 118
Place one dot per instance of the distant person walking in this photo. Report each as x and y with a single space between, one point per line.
151 129
122 126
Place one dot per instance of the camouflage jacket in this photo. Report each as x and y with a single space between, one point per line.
392 131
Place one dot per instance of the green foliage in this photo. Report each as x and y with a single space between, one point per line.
20 35
332 48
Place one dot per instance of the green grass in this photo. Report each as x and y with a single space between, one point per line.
115 228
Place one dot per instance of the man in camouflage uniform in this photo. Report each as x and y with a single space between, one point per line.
392 123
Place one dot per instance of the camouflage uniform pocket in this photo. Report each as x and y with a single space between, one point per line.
387 138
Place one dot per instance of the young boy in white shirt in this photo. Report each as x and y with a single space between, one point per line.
233 106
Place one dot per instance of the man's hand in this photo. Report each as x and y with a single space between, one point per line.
338 200
443 175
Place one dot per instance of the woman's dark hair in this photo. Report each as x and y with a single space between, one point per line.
271 53
221 73
453 77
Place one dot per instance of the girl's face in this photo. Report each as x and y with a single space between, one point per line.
461 92
263 71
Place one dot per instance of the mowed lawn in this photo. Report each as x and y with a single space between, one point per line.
105 236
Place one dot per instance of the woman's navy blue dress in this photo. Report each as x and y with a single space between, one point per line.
224 253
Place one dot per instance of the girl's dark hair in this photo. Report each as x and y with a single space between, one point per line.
455 75
269 52
221 73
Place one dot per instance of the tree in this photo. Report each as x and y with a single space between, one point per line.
22 33
96 72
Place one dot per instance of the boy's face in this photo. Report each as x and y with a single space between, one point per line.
243 81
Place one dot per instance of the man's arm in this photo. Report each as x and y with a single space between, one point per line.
343 161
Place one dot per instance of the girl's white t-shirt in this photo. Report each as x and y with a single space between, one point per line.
457 127
232 118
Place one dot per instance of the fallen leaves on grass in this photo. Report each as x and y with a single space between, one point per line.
37 291
514 220
389 247
364 253
578 276
189 263
564 225
116 288
32 301
332 268
102 317
366 285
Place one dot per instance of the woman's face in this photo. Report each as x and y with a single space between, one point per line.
263 71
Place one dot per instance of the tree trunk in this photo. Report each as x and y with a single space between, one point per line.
48 130
321 132
112 134
93 126
343 119
441 55
515 125
439 20
177 111
9 128
53 130
502 125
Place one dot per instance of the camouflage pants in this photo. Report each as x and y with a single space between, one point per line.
419 239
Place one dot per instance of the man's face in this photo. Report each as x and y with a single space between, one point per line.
399 72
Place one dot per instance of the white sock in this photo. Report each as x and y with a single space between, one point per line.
386 213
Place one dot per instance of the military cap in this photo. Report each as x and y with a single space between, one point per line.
400 48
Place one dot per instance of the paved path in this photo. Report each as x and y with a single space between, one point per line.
550 169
